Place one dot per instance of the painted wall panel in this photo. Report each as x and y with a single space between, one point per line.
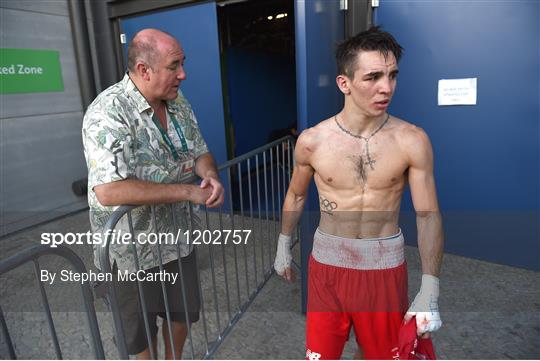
54 7
31 30
40 133
487 155
37 170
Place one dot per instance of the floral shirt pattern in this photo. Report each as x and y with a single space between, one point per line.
121 142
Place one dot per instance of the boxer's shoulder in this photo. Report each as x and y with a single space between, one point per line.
311 138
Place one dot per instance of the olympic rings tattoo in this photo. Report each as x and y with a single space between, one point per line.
327 206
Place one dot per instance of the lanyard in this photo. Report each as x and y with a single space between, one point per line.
168 140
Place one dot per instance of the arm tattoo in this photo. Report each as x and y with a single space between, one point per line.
327 206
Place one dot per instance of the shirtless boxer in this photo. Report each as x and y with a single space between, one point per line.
361 160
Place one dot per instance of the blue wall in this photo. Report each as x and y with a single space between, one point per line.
487 156
262 96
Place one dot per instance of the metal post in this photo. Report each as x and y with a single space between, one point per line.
274 239
224 263
214 285
7 338
142 301
260 219
243 226
234 248
163 288
251 219
266 200
182 283
203 312
47 308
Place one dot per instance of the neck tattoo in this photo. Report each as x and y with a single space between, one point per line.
369 161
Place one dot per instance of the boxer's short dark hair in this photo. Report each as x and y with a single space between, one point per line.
374 39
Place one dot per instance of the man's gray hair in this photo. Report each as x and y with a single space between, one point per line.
142 49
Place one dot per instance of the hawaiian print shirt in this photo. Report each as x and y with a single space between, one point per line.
121 141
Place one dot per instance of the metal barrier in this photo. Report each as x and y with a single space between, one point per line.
31 255
231 283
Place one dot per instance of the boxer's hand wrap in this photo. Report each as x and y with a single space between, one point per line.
283 255
425 305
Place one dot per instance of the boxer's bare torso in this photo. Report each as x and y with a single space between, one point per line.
360 187
359 199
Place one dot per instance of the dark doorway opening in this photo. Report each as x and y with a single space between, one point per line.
259 71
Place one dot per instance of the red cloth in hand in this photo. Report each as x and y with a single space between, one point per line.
412 347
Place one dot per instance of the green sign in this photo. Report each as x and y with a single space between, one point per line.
30 71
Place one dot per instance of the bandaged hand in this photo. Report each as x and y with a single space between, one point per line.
282 263
426 306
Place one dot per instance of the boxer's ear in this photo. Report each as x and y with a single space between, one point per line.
342 82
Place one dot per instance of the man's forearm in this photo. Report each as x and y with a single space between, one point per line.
138 192
430 241
205 166
292 210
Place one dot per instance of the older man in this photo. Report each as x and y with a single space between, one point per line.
141 141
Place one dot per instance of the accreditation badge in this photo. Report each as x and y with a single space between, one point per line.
187 168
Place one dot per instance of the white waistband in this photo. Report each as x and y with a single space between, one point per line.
364 253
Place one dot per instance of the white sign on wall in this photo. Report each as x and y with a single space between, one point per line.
457 91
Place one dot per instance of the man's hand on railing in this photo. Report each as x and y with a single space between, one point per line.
216 197
282 263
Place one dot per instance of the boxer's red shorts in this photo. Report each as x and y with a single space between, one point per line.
373 301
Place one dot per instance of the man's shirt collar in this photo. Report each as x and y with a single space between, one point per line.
173 106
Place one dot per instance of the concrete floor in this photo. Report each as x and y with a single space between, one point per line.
489 311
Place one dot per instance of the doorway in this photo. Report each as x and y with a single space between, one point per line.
257 47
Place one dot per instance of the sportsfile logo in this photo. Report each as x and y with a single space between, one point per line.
310 355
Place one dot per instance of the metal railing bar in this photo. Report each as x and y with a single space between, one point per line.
250 154
238 316
203 310
224 263
284 170
274 240
289 155
278 167
105 267
142 301
259 216
182 284
266 212
213 270
251 219
7 338
243 225
37 251
46 306
163 288
232 228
